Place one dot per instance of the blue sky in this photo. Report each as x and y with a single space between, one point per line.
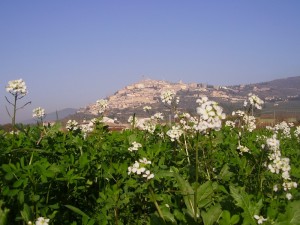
71 53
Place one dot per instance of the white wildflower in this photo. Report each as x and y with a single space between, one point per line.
148 174
210 113
72 125
17 87
260 219
157 116
289 196
147 108
255 101
133 120
175 133
286 175
202 100
140 169
249 122
284 128
38 113
243 149
87 127
102 105
144 161
134 146
169 97
288 185
297 132
42 221
230 124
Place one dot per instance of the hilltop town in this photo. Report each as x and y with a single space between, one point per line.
132 98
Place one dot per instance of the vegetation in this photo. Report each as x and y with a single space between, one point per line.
193 170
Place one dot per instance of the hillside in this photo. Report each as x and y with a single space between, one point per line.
59 115
281 95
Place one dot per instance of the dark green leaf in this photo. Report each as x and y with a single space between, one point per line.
76 210
212 215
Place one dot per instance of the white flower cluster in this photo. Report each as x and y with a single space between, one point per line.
130 120
238 113
279 164
72 125
144 124
157 116
42 221
87 127
136 122
175 133
147 108
230 124
242 149
248 122
186 121
96 120
297 133
148 126
211 114
255 101
260 219
284 127
17 87
134 146
14 132
169 97
38 113
102 105
139 168
288 185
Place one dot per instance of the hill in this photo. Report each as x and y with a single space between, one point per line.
59 115
281 95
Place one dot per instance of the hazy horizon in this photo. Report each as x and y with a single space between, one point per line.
71 53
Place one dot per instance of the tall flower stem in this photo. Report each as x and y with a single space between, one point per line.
13 120
186 149
156 204
18 89
196 178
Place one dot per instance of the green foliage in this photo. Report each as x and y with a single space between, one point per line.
3 214
291 215
249 207
71 178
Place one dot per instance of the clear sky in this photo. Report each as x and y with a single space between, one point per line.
72 52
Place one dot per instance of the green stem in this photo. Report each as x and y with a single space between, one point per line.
196 179
47 199
259 169
156 204
30 161
196 187
13 122
116 215
186 149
